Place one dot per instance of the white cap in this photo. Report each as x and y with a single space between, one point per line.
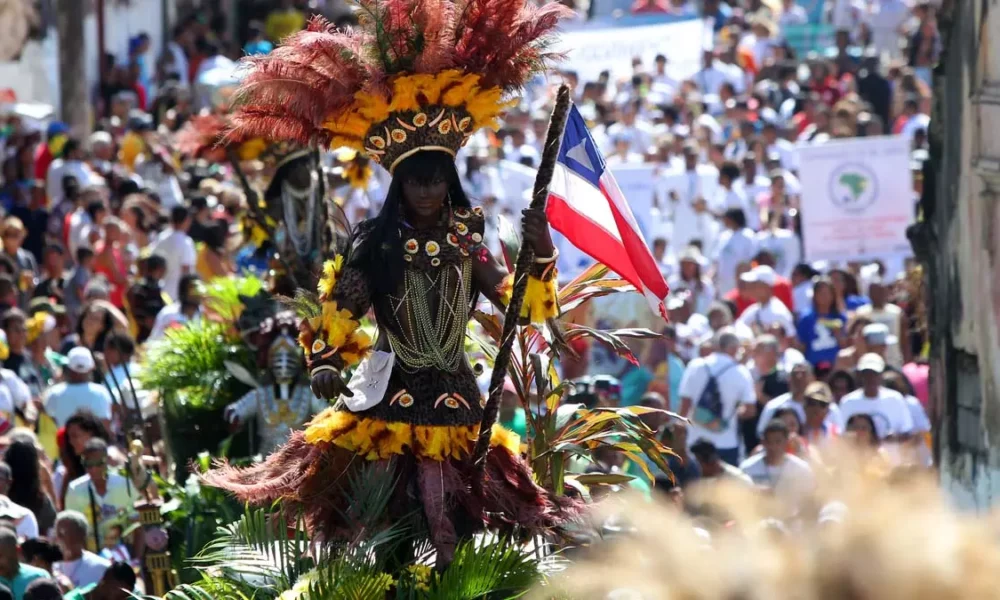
80 360
871 362
761 274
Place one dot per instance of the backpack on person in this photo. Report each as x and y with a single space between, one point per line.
708 409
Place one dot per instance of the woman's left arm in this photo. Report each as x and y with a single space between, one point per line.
496 283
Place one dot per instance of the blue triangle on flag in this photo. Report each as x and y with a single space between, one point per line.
578 151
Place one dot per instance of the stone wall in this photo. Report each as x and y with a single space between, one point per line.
959 244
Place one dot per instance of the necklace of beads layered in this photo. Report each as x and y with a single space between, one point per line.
426 339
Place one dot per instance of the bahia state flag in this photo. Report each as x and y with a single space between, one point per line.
586 206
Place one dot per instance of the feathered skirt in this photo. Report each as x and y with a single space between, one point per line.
429 467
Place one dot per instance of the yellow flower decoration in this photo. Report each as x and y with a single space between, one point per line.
36 325
357 176
432 248
421 576
331 271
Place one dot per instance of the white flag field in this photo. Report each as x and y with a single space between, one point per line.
588 52
857 199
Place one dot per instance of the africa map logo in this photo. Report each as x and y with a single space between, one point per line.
853 187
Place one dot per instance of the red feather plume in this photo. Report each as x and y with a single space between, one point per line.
316 73
201 134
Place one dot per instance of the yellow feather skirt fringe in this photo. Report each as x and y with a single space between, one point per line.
375 439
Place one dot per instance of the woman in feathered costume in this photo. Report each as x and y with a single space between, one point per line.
408 89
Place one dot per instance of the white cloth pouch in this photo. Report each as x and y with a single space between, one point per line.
370 381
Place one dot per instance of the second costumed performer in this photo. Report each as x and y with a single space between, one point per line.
408 88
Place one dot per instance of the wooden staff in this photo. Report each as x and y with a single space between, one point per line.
525 258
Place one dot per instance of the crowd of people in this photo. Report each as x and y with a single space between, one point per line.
107 239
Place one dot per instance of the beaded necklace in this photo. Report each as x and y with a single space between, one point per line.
426 338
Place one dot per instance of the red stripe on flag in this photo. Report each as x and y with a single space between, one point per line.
639 255
591 239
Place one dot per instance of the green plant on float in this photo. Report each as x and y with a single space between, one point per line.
265 554
558 433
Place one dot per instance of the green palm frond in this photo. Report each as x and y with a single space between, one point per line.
493 569
255 553
305 303
345 579
370 489
193 356
222 295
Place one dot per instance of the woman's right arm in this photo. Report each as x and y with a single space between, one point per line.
333 340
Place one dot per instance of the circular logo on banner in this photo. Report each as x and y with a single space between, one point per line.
853 187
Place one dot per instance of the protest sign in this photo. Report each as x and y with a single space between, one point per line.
588 52
857 199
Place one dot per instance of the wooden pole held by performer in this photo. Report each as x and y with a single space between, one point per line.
524 260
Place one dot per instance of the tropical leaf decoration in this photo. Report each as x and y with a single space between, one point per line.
224 296
266 555
194 386
558 434
190 364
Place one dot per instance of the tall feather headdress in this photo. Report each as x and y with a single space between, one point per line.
414 75
205 136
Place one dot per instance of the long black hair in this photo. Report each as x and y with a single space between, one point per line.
377 249
26 486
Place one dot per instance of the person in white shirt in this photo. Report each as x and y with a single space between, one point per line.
179 66
80 566
102 496
686 190
78 391
729 196
792 15
24 521
736 245
800 385
715 417
783 244
788 477
802 287
622 153
665 81
664 257
177 247
689 277
892 317
71 164
86 224
768 310
886 19
713 74
751 181
18 394
637 132
785 149
187 308
887 408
